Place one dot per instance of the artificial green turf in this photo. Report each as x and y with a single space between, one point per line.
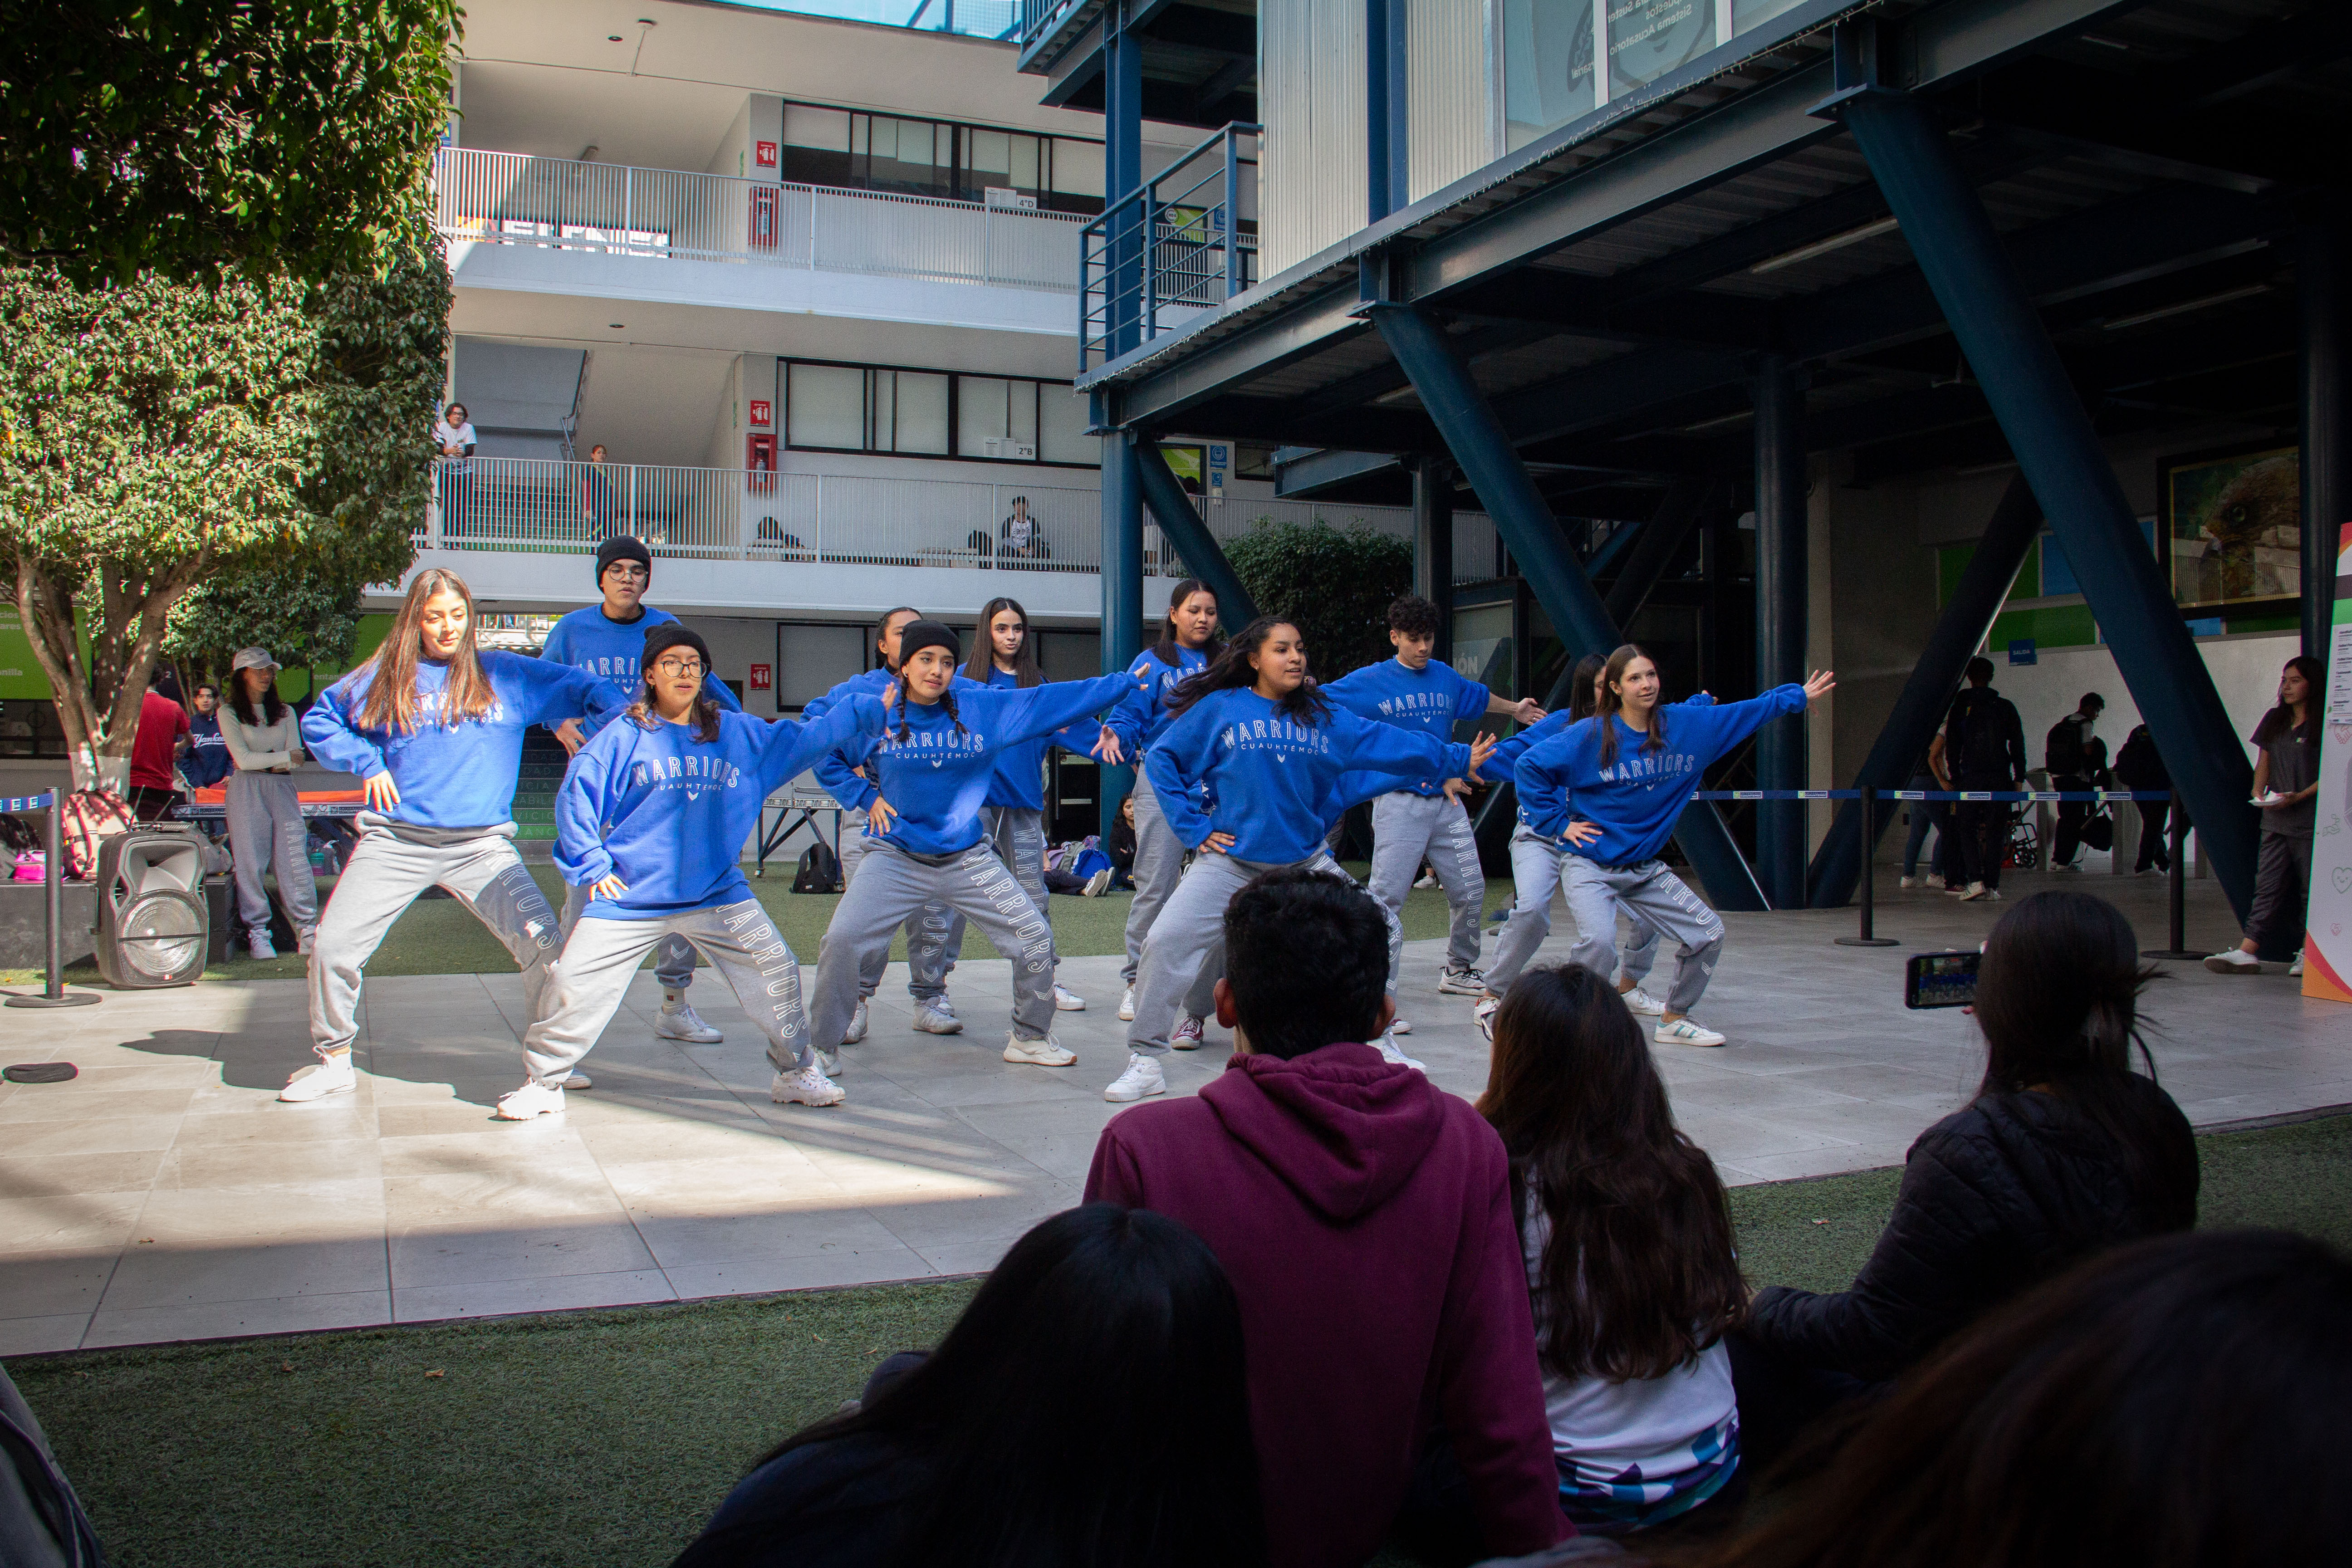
607 1438
437 936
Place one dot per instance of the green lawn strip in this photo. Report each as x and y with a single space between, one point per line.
615 1433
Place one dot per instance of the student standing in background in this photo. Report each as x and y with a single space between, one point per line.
1984 749
264 809
2286 786
206 763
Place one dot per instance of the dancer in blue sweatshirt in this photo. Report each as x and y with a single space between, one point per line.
1630 769
607 639
434 729
650 827
1188 641
1425 819
934 764
1270 751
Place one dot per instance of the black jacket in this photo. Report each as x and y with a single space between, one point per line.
1984 741
1995 1199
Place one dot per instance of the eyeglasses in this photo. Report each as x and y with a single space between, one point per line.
679 667
629 571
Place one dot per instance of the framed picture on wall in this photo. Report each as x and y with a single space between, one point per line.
2233 523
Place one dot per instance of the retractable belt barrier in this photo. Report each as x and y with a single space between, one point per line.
2085 794
53 992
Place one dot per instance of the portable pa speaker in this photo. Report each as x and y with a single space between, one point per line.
152 919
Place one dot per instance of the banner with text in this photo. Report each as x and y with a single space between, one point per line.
2327 945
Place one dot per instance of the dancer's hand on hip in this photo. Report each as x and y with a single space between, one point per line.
1216 843
383 795
879 817
1582 833
607 886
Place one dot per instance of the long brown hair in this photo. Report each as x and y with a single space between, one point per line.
1613 703
1027 671
704 714
391 704
1638 1275
1167 649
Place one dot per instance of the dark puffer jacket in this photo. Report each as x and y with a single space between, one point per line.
1995 1199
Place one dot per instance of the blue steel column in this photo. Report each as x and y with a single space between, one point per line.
1123 177
1488 461
1433 543
2319 285
2039 412
1927 696
1781 584
1385 121
1122 589
1180 526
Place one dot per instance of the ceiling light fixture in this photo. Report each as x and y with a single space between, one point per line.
617 326
1886 224
2225 297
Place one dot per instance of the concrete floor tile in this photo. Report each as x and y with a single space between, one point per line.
221 1319
872 1265
162 1275
487 1251
42 1286
95 1135
67 1223
254 1163
113 1171
42 1336
553 1293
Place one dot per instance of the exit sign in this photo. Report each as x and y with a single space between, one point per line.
761 411
759 676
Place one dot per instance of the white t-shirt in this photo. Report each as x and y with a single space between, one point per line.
461 436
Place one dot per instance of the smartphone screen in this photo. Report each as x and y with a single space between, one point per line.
1941 979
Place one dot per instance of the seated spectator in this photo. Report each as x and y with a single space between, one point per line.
1088 1410
1121 846
1020 537
2064 1151
156 746
2176 1402
207 760
1364 1218
1627 1238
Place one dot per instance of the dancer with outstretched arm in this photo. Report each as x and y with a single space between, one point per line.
1609 791
1270 751
933 763
434 729
650 826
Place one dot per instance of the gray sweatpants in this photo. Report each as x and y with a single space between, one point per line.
1185 952
393 863
2282 890
934 935
600 957
266 829
890 885
1651 893
1159 866
1407 826
1534 876
673 964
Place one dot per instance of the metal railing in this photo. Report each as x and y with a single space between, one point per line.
537 506
511 198
1186 241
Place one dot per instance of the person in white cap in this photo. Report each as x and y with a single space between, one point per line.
264 811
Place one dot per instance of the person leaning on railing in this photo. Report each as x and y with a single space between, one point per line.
453 441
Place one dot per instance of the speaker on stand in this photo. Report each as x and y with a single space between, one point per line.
152 920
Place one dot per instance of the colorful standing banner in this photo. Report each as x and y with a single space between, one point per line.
2327 945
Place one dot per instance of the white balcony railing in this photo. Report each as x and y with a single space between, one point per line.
509 198
533 506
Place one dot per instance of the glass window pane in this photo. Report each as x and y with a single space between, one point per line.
1077 167
826 129
979 417
1062 423
1547 66
1021 412
921 425
825 406
1023 151
1648 38
811 660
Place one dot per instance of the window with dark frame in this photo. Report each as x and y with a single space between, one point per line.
897 411
854 150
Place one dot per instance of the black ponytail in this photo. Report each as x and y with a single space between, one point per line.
1231 669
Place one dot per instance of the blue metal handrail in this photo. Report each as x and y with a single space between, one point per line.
1148 237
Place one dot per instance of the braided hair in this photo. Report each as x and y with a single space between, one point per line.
947 700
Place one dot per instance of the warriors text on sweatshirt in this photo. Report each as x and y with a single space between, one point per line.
1432 700
936 778
592 640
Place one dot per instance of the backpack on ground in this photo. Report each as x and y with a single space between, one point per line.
91 816
820 870
2062 749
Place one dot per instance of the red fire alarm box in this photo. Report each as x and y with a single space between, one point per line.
763 153
759 676
760 458
763 216
761 411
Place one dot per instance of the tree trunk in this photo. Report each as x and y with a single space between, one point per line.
99 701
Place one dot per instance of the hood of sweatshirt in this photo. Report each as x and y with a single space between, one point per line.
1343 1127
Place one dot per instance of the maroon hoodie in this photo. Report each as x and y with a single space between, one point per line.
1364 1218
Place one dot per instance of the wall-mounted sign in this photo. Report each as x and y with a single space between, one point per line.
1221 462
765 154
763 412
762 678
2022 651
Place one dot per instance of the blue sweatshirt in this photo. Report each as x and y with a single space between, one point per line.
1272 778
1502 763
837 769
592 640
668 814
459 776
1142 719
207 762
1432 700
1638 798
1020 779
938 778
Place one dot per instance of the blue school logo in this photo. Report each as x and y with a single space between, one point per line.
1280 737
697 776
933 746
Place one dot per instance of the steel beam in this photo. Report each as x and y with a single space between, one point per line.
1926 695
1122 589
1476 440
1433 543
2326 420
1993 317
1180 526
1297 478
1662 538
1126 276
1781 593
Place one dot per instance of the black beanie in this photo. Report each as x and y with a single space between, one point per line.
670 634
916 635
621 547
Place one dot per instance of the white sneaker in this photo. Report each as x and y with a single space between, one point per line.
829 1062
529 1101
2066 866
1126 1007
1952 892
1907 881
2296 967
1399 1027
307 940
1483 1015
680 1021
1186 1036
579 1080
333 1074
1642 1002
1097 884
1463 983
1428 880
1386 1044
805 1086
933 1015
1683 1031
1141 1078
856 1030
1045 1053
1068 1001
2234 961
259 944
1975 890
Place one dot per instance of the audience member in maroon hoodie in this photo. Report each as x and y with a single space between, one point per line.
1364 1218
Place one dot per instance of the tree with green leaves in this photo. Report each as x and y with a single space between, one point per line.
160 434
274 137
1334 586
304 613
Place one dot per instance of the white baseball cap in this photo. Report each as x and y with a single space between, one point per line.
252 659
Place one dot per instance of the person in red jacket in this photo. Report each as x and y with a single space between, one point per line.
1364 1218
